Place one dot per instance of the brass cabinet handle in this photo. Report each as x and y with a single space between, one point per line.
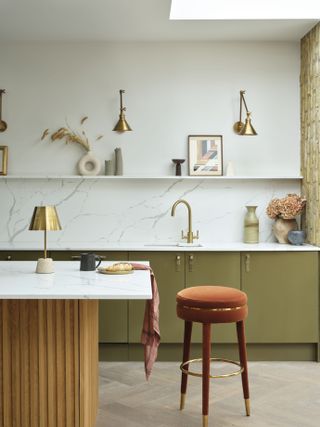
178 262
9 258
191 260
247 263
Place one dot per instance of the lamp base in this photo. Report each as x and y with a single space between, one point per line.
44 266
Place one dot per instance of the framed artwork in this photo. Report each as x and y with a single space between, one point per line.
205 155
3 159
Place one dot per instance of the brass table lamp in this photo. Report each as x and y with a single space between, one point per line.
45 218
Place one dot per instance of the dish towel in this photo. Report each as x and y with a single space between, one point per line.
150 335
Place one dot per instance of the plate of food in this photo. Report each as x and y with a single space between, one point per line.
118 268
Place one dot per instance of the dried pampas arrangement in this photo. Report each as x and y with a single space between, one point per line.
69 135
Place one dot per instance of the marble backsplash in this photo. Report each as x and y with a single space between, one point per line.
102 211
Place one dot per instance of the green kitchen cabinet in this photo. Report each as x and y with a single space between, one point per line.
214 268
113 315
168 268
283 296
20 256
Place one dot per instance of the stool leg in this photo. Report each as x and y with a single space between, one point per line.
186 356
243 361
206 350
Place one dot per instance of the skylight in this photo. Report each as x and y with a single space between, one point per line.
244 9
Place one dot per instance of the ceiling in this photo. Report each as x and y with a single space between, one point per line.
129 20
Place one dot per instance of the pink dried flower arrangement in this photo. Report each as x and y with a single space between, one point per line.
287 208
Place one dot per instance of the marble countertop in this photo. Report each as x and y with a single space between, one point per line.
160 246
18 280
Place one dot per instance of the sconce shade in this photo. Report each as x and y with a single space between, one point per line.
247 128
45 218
122 124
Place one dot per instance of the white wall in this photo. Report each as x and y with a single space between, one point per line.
173 89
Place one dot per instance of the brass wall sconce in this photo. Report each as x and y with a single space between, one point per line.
45 218
244 128
122 125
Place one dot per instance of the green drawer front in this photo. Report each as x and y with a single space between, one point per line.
20 256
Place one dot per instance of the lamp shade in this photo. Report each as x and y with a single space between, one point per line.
248 129
122 125
45 218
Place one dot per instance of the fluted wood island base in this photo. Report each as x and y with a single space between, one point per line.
49 341
48 363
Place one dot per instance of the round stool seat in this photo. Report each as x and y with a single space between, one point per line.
212 304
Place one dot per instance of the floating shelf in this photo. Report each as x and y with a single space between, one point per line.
173 178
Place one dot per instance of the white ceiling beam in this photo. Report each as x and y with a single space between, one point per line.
244 9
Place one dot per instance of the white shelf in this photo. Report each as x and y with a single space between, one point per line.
173 178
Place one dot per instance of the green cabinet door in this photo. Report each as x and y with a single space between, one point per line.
282 289
21 256
168 268
113 315
214 268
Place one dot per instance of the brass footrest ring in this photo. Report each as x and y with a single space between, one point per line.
216 359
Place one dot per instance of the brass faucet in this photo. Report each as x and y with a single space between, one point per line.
190 236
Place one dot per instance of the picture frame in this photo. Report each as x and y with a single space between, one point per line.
3 160
205 155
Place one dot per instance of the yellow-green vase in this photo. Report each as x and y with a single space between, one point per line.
251 225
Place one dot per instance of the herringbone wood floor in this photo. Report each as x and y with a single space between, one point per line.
283 394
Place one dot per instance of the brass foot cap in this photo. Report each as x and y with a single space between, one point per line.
182 401
205 421
247 403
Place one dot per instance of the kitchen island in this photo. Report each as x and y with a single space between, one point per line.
49 341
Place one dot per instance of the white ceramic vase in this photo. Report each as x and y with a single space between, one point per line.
89 165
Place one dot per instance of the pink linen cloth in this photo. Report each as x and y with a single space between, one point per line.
150 335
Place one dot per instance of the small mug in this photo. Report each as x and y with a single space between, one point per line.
88 261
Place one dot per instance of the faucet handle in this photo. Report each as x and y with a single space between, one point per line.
183 236
196 236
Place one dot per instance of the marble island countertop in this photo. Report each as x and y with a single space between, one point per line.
18 280
159 246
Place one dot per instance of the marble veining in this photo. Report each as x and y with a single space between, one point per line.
18 280
101 212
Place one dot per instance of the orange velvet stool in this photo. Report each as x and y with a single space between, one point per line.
207 305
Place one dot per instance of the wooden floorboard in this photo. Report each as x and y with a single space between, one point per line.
283 394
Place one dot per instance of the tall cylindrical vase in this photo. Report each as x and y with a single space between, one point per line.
118 161
251 225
